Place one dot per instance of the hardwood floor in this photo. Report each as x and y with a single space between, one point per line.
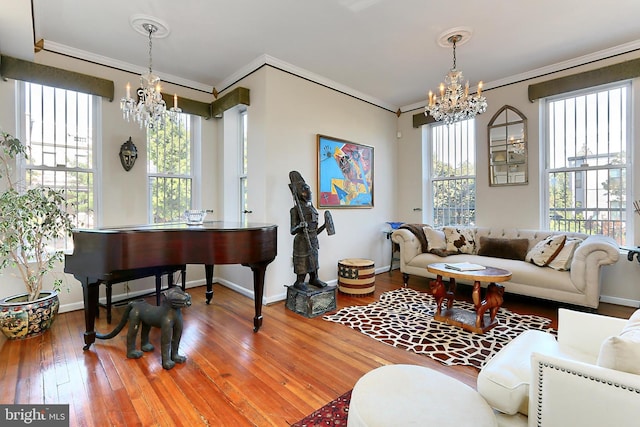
233 376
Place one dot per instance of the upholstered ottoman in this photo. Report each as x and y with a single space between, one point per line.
356 276
409 395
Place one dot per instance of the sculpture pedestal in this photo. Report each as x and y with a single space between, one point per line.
465 319
312 302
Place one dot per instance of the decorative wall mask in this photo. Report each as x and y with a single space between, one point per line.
128 154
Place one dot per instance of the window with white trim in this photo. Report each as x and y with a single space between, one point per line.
170 170
450 173
244 203
59 130
587 164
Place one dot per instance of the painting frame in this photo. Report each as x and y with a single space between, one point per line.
345 173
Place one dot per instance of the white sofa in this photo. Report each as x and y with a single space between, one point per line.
580 285
536 380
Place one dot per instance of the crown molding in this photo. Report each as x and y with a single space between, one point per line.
125 66
263 60
542 71
241 73
226 83
304 74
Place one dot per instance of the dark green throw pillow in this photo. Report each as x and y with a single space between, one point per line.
504 248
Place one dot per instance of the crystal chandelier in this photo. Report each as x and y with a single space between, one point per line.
517 144
455 103
150 109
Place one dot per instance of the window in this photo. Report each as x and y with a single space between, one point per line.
59 130
586 163
450 176
244 204
170 169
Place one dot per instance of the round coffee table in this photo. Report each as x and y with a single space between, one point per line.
479 321
410 395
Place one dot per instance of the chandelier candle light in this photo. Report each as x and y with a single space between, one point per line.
455 103
150 109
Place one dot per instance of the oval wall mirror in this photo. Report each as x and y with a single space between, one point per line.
507 136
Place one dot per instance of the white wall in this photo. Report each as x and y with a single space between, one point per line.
285 114
122 197
518 206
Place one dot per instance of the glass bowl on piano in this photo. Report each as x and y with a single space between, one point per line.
195 216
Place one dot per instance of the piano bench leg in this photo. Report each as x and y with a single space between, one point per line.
208 273
183 277
158 287
108 293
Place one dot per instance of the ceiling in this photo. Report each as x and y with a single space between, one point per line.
383 51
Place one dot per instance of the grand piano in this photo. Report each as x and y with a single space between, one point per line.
111 254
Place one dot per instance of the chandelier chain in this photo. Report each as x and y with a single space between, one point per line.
455 39
151 30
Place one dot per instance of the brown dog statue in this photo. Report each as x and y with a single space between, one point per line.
167 317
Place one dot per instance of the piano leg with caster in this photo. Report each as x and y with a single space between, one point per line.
208 271
258 291
90 293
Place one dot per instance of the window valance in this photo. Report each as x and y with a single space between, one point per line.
609 74
18 69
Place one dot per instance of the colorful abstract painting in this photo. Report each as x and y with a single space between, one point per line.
345 174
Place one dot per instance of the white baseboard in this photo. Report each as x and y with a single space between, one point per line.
190 284
620 301
283 295
79 305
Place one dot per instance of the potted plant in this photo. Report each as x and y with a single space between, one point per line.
30 219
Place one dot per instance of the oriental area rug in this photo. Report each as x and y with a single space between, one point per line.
333 414
403 318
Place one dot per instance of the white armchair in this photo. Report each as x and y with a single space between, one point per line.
559 382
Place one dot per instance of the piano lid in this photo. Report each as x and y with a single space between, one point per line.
206 225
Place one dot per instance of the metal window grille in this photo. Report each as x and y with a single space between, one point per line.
59 131
586 161
452 173
169 170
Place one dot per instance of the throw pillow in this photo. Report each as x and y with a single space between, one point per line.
563 260
504 248
546 250
622 352
435 239
460 240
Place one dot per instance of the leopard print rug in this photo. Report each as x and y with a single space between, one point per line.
403 318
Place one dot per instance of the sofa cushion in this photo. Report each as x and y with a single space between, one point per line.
504 380
435 239
562 261
504 248
460 240
546 250
622 352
